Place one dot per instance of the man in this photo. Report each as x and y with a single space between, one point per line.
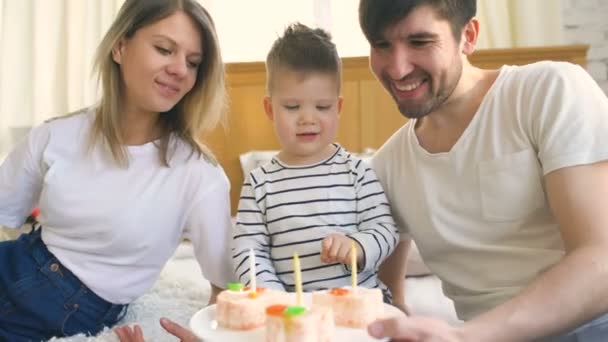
499 176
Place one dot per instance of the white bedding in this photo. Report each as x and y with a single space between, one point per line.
181 291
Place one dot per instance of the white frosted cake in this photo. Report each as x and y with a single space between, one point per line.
351 308
243 309
299 324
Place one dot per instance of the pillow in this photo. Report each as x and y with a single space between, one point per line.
252 159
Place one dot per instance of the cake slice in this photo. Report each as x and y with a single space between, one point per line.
239 308
299 324
351 308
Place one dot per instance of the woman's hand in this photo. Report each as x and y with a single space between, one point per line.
127 334
135 334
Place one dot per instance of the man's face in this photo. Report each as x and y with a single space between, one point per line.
418 61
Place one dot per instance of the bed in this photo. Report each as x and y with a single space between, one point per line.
369 118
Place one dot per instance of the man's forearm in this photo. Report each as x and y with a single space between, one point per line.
567 295
393 270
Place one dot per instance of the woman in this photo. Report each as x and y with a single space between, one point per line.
119 185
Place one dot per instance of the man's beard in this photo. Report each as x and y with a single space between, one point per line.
417 111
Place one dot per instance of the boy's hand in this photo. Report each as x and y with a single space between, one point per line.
336 248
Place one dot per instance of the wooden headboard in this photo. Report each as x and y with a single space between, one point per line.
368 117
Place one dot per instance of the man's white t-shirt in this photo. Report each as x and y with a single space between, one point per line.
115 227
479 213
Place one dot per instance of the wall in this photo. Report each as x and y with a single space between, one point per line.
364 98
586 22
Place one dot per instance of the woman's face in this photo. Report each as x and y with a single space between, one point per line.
159 63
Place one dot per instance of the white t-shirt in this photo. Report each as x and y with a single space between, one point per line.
478 213
115 227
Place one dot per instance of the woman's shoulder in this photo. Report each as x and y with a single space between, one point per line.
200 162
75 119
62 128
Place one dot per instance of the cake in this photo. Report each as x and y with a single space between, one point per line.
239 308
351 308
299 324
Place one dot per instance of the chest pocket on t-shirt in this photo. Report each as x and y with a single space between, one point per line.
511 186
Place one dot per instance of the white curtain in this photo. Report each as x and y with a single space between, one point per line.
247 28
46 53
515 23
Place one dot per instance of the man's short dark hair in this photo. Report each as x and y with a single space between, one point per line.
375 16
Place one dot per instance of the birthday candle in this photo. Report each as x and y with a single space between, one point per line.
252 270
298 278
353 264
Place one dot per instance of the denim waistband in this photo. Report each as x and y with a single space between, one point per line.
47 261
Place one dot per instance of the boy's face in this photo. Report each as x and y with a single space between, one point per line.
305 109
418 61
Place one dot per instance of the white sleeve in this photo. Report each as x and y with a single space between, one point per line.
209 228
568 117
21 177
250 232
386 166
377 233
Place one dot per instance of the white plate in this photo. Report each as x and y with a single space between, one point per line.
204 326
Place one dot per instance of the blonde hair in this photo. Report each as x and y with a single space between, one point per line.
197 113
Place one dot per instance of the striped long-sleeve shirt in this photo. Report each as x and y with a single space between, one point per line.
285 209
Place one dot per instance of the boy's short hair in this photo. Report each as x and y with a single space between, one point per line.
375 16
303 49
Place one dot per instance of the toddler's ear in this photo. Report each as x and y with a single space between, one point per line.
340 100
268 108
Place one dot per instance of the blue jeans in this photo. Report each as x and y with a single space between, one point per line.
41 299
593 331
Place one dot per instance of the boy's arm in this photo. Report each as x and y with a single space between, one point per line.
377 235
250 232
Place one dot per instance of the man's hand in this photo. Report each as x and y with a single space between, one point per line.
336 248
135 334
414 329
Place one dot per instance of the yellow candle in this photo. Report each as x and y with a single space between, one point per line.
353 264
298 278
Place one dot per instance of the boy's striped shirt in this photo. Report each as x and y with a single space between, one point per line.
285 209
